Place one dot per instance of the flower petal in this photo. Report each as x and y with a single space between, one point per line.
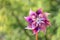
41 15
37 29
28 19
43 28
31 25
39 11
47 22
31 12
47 14
29 28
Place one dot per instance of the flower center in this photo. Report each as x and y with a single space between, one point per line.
39 20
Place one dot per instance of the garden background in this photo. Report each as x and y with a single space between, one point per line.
12 22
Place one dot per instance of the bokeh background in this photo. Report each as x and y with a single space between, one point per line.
12 22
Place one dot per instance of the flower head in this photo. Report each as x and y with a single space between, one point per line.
37 21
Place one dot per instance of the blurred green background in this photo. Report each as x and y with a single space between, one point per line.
12 22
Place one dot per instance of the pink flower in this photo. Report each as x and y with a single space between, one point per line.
37 21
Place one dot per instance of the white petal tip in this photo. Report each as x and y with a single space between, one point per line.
29 28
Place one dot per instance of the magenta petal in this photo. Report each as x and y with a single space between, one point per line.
39 11
47 22
28 19
32 12
37 29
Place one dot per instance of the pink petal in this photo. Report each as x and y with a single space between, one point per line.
47 14
33 17
31 12
43 28
41 15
